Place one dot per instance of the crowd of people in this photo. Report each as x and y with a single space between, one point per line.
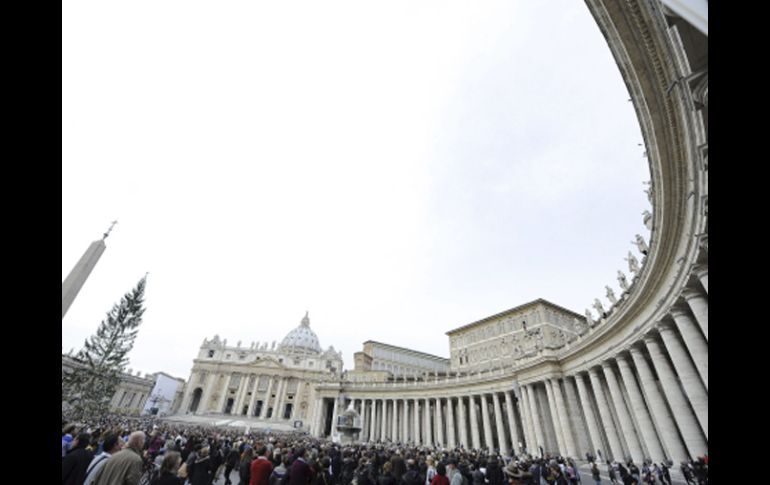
133 451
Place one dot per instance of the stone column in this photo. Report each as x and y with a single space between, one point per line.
700 308
575 416
278 388
253 402
557 426
184 408
240 395
659 412
566 431
205 405
450 422
688 376
604 414
696 344
489 442
646 427
515 440
404 421
266 402
394 421
428 431
384 426
439 424
295 404
417 438
335 411
373 422
462 421
474 423
499 425
593 426
319 417
364 433
527 422
539 436
622 412
686 421
702 272
221 405
238 398
281 398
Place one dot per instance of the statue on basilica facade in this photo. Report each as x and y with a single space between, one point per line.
647 218
599 307
611 296
622 281
633 263
643 248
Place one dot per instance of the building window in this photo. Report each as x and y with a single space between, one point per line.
211 353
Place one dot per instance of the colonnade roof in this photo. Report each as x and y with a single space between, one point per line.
396 347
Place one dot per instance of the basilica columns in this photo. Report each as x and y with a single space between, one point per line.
593 426
417 438
622 412
700 308
555 418
488 441
462 422
539 435
646 428
499 425
694 341
515 439
688 376
686 421
659 411
561 410
476 438
451 438
604 413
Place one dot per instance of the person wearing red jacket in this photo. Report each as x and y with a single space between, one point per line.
261 468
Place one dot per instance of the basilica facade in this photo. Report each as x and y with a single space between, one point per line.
628 382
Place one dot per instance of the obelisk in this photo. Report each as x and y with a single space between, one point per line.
79 274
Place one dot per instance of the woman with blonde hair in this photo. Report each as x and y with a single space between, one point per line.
431 469
168 469
201 472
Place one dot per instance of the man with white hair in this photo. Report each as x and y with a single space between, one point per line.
124 467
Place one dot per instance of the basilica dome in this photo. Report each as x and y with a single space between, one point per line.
301 340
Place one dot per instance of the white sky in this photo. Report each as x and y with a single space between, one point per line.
398 168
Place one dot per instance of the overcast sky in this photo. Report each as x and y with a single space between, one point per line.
398 169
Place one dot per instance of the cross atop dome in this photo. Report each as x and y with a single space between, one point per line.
306 320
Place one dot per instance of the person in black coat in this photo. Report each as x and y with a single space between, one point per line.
200 473
494 472
412 475
244 472
231 462
75 463
336 460
387 477
323 477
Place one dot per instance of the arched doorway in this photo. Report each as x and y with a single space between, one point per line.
196 399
